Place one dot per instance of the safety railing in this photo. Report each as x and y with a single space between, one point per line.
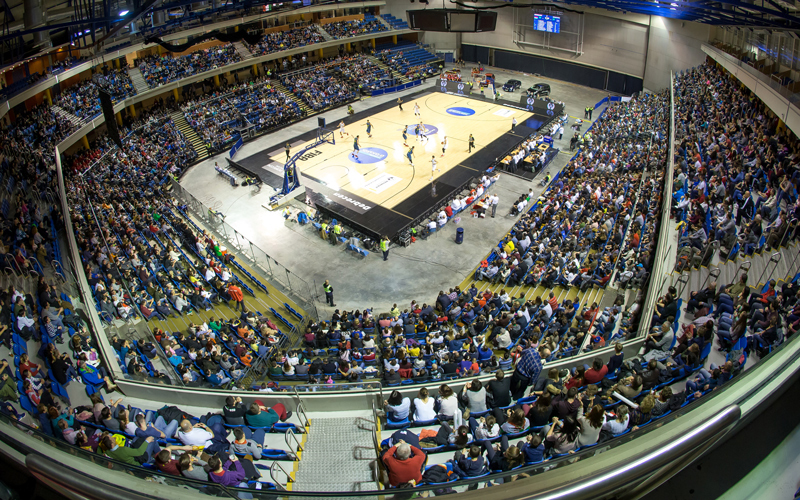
290 432
773 259
279 275
301 412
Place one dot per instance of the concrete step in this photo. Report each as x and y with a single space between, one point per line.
383 65
340 442
291 96
189 133
243 51
75 120
138 80
324 33
385 23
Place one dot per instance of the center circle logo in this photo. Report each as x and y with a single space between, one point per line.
460 111
429 130
369 155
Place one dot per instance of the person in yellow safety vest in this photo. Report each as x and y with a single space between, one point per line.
328 293
323 231
385 247
335 231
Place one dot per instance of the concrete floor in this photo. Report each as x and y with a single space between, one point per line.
413 273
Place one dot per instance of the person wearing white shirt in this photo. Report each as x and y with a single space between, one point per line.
431 225
503 339
442 218
199 435
209 274
423 407
493 201
548 310
180 303
618 424
525 243
225 275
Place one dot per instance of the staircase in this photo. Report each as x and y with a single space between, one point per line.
138 80
66 114
324 33
337 455
292 96
763 267
243 51
188 132
400 77
385 23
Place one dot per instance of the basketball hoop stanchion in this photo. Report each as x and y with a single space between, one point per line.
291 180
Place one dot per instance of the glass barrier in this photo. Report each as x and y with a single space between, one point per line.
792 97
368 488
300 291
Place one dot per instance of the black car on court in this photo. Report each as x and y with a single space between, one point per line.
512 85
539 90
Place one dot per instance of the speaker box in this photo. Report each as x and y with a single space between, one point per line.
108 114
321 122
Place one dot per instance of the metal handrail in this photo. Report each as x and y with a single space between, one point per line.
776 258
786 230
714 272
301 412
297 441
272 475
746 265
683 280
715 245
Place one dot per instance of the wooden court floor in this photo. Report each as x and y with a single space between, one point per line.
382 173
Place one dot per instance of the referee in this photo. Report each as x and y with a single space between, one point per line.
471 143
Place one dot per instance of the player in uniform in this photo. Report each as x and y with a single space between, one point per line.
355 147
342 133
416 109
417 132
444 145
369 129
405 136
410 155
422 131
433 166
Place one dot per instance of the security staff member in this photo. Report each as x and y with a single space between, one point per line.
328 293
385 247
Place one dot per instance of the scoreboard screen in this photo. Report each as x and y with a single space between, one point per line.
543 22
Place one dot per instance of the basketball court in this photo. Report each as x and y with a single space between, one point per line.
381 173
378 191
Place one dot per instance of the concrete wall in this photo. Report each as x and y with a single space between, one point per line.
608 43
673 45
612 41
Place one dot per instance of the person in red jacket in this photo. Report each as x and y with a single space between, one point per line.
236 294
596 373
403 463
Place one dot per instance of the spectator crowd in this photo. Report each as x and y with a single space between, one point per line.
83 100
160 70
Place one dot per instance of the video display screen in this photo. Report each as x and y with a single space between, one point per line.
544 22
